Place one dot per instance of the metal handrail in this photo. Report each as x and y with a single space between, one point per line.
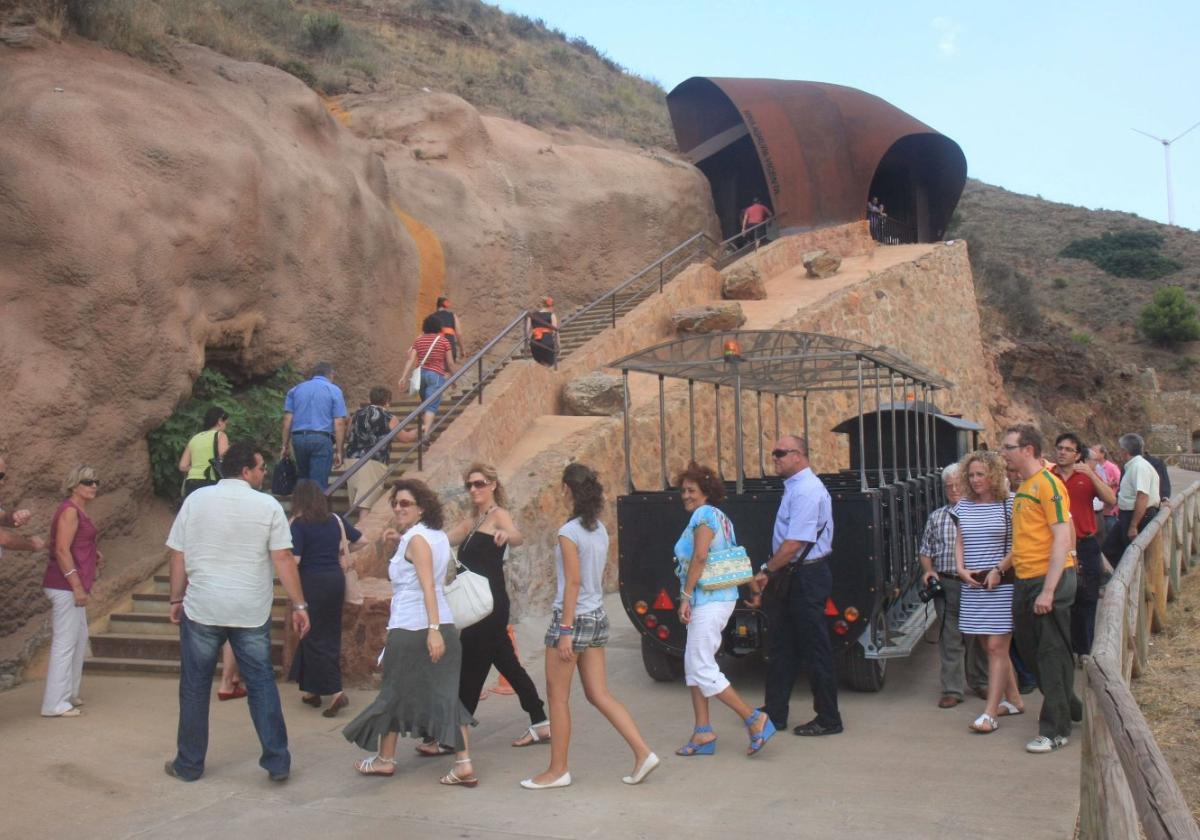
475 361
713 250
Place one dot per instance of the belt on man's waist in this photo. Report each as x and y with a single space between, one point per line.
948 575
311 432
807 561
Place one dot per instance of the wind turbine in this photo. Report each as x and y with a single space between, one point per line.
1166 144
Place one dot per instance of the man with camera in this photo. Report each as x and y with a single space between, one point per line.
942 586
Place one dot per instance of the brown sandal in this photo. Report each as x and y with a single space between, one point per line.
432 749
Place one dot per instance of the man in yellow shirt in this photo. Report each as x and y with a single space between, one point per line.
1045 588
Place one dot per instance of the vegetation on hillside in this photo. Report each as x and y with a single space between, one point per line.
494 60
1125 253
255 413
1170 318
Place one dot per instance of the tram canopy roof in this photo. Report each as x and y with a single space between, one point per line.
779 362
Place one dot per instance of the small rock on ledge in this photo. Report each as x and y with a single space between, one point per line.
743 283
709 319
594 395
821 263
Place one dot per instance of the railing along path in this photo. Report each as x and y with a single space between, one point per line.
1126 783
513 340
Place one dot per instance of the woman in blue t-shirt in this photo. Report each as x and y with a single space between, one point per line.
317 544
579 631
705 613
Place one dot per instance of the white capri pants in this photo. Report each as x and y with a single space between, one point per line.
68 647
703 641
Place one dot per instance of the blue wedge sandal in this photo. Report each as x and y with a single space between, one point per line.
692 748
758 740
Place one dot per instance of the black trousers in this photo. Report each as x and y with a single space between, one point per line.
1087 593
1117 539
486 644
317 665
799 636
1042 642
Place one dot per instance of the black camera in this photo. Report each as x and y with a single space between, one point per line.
933 589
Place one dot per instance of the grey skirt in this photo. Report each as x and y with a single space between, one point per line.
418 699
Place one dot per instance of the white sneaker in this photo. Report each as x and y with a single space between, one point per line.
1042 744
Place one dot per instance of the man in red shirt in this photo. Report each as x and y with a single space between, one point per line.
755 215
1084 486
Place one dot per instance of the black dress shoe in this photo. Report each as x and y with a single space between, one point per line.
813 728
279 777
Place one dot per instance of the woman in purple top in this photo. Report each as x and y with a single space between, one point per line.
73 566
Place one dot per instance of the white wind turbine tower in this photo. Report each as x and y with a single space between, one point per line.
1166 144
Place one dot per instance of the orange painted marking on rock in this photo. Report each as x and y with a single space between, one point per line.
432 271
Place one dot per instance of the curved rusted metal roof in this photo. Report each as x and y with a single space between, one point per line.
820 147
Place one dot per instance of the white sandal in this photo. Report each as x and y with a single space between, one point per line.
985 720
366 766
534 738
453 778
1008 709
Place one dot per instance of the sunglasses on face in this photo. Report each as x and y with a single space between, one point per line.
90 482
782 453
404 503
477 484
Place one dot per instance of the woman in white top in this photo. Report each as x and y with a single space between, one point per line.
579 631
419 694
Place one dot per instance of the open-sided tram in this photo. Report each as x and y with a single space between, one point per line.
898 443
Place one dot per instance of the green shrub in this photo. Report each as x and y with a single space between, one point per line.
1060 282
1083 339
1169 319
255 413
301 71
322 29
1127 253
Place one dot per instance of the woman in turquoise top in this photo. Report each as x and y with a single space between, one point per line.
705 614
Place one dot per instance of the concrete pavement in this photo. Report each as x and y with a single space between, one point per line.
902 769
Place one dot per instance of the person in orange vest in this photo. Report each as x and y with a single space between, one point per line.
543 333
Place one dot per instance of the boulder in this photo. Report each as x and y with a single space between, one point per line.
821 263
595 394
743 283
709 319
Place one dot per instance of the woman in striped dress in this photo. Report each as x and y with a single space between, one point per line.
984 519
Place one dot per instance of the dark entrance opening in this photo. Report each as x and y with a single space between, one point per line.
736 178
914 181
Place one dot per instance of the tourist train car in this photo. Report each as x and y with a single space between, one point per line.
898 443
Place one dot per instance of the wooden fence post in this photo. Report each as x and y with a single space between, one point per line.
1157 580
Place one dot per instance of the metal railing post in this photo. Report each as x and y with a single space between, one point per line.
662 430
479 370
420 441
628 439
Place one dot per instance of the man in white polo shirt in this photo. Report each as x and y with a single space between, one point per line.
227 544
1137 498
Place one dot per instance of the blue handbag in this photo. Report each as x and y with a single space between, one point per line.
728 566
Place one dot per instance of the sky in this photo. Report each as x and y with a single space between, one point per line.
1042 97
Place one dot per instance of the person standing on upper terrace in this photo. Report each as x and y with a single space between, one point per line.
450 327
314 425
755 215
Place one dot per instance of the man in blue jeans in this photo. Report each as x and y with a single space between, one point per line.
227 544
314 424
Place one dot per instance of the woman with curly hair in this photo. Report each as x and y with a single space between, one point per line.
579 631
421 662
984 522
705 614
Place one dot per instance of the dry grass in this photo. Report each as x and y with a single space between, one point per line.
1169 691
497 61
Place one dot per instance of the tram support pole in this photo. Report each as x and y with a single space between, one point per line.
862 446
776 417
805 401
717 424
892 398
762 462
628 459
738 442
879 427
662 431
692 418
907 434
918 398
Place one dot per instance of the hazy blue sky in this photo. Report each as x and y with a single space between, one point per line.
1041 96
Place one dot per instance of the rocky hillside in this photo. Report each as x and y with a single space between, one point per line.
1063 330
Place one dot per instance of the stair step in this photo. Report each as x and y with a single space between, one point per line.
156 624
147 646
122 665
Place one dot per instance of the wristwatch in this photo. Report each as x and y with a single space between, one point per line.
435 627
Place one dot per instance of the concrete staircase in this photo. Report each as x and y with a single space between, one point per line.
140 637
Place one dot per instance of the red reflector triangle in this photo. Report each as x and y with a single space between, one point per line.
663 601
830 607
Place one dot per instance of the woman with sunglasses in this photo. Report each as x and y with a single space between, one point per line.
579 631
421 662
482 540
71 571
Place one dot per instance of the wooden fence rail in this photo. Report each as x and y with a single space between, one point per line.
1125 782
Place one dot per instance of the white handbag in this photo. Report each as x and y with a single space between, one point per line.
414 381
469 596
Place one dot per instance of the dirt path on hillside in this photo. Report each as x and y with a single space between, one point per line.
1169 690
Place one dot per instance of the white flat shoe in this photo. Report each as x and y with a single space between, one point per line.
68 713
561 781
76 701
643 771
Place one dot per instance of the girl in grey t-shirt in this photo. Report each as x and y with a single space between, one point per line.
579 630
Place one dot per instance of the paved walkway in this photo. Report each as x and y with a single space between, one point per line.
902 769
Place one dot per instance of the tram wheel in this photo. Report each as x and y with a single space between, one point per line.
864 674
660 665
